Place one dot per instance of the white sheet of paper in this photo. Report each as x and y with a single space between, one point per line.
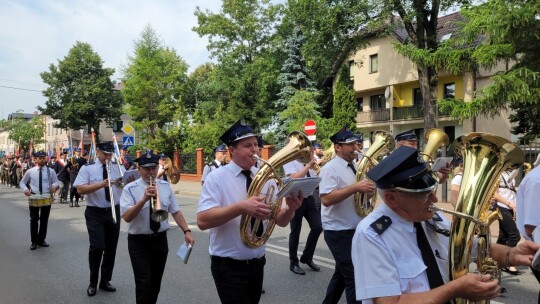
306 185
440 163
184 251
130 173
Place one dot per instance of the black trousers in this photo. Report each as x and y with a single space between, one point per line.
238 282
340 243
148 254
508 231
309 210
73 190
64 191
39 219
537 276
103 235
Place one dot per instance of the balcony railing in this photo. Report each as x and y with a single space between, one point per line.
413 112
373 116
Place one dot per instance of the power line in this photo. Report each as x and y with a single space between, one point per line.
14 88
22 82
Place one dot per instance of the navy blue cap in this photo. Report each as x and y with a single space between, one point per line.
162 156
65 151
407 135
359 138
404 169
77 149
106 147
148 160
220 148
343 136
236 132
39 154
123 147
317 146
53 156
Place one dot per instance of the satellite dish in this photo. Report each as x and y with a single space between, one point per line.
387 92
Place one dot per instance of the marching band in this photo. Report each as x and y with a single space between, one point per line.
411 260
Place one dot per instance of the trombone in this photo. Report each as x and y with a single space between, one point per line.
158 214
111 192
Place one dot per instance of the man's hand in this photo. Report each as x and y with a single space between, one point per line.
365 186
476 287
27 192
254 207
294 201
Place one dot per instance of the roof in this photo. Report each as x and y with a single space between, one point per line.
25 116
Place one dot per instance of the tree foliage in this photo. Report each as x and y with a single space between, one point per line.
80 91
508 33
153 81
25 131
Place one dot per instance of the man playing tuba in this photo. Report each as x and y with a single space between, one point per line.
236 268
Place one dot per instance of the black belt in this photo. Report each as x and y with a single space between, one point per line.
101 209
147 236
231 261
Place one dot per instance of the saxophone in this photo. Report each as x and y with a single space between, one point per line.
383 143
299 147
485 156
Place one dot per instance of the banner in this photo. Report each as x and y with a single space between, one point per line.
70 145
81 145
117 150
92 154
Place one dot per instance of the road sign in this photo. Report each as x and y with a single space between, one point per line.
310 128
128 129
128 140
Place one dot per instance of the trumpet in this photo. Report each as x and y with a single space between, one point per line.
158 214
111 192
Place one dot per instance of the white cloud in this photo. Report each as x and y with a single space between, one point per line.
34 34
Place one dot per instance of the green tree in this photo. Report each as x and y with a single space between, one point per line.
80 91
240 39
153 80
494 33
25 131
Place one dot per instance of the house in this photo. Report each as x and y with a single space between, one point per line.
388 96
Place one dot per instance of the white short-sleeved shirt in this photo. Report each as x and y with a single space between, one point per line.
92 173
225 187
48 176
133 192
295 166
342 216
527 206
390 263
505 189
456 180
214 165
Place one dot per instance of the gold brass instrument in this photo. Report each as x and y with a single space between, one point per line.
158 214
328 154
111 191
527 167
298 148
383 143
173 173
435 139
485 157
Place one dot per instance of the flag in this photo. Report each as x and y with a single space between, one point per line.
49 152
81 145
117 149
70 150
92 154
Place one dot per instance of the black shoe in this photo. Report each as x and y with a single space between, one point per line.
91 291
33 246
514 272
77 204
43 244
107 287
70 204
296 269
310 264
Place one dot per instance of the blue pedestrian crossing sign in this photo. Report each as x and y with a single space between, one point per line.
128 140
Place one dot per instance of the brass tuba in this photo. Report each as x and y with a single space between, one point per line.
435 139
299 147
328 154
485 157
173 173
383 143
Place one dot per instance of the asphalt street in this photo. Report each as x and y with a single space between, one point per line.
59 273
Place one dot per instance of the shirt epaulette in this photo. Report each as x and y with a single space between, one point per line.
381 224
90 163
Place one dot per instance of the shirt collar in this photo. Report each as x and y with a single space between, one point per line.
237 170
409 226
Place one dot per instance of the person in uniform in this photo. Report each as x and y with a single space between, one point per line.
41 180
75 164
237 269
400 250
339 218
147 239
94 181
527 211
63 177
162 168
407 138
127 160
220 154
312 213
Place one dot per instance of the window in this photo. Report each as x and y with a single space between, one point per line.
378 102
373 63
360 104
417 97
351 69
449 90
117 126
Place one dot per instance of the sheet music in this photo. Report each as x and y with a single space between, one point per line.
306 185
184 251
130 173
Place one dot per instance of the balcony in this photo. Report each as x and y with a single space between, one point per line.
413 112
373 116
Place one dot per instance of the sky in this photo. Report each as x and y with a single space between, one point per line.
35 34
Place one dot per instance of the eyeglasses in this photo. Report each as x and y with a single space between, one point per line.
423 196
